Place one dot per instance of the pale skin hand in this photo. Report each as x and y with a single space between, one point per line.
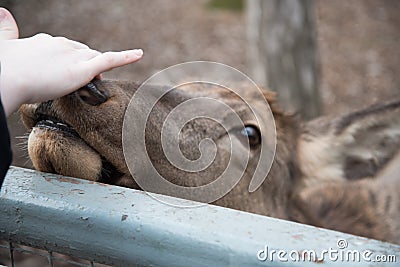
44 67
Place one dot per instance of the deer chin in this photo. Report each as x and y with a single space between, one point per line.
56 147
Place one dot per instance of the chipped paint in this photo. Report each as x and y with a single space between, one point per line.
63 180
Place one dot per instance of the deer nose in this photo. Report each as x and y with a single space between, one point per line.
91 95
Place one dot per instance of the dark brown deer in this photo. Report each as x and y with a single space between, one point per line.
327 172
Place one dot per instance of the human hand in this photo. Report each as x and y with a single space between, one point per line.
44 67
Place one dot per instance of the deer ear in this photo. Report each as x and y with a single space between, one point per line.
351 147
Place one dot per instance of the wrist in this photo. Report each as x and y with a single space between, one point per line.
10 93
9 103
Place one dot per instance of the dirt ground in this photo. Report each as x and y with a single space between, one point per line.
358 42
359 47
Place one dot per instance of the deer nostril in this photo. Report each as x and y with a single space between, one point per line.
91 95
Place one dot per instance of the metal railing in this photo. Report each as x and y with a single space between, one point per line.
124 227
30 256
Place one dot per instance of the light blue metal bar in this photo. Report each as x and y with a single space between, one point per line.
123 227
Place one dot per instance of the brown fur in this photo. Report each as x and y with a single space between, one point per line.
367 207
315 178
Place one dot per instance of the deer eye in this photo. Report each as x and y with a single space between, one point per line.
253 135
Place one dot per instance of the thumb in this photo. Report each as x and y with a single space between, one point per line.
8 26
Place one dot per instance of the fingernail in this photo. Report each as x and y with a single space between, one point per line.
3 13
138 52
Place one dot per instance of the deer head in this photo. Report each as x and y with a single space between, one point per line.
80 135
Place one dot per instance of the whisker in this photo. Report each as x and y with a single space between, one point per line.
28 160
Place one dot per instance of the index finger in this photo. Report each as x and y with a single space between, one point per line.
110 60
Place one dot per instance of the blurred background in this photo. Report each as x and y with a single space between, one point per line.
323 57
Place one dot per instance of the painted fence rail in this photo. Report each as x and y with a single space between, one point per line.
124 227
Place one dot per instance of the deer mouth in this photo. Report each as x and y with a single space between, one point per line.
58 134
54 124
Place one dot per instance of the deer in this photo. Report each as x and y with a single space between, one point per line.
337 173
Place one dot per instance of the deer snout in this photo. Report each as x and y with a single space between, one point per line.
91 95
